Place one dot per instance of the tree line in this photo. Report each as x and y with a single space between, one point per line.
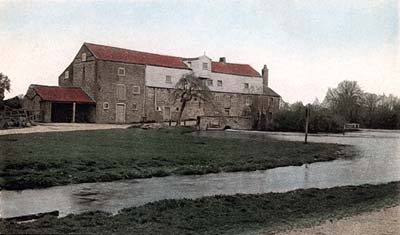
347 103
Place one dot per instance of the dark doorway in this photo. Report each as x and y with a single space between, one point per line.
62 112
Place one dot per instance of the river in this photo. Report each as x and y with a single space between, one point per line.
379 162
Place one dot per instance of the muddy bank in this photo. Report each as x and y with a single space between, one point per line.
267 213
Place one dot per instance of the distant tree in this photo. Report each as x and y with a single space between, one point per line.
5 85
189 87
345 100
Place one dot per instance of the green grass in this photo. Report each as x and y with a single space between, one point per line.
236 214
48 159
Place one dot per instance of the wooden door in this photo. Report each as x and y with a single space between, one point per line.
120 113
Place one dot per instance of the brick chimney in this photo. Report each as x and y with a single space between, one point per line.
222 59
264 73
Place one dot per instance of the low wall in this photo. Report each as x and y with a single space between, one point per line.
223 122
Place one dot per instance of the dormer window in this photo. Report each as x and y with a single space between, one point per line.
205 66
83 57
121 71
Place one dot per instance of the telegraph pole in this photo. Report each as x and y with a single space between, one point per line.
307 121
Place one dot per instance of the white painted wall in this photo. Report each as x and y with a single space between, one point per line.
235 83
155 76
197 67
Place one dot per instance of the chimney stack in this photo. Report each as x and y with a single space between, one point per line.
222 59
264 73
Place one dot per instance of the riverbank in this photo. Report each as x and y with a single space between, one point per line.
49 159
239 214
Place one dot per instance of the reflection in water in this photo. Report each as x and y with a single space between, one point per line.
380 162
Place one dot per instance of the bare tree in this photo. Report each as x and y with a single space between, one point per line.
188 88
5 85
345 100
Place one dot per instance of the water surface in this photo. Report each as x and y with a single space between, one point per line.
379 163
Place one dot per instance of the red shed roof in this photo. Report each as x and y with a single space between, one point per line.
62 94
136 57
236 69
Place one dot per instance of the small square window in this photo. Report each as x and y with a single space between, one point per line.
227 111
219 83
158 108
136 90
83 57
246 86
134 106
210 82
106 105
66 74
121 71
205 66
168 79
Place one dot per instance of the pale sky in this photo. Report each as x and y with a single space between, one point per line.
308 45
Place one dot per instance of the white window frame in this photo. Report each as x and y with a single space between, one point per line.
121 71
84 57
134 107
219 83
106 106
168 79
136 92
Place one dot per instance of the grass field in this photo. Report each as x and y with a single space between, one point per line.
266 213
48 159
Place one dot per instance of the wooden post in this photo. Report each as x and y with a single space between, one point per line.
307 121
73 112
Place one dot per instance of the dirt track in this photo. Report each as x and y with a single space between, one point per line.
383 222
59 127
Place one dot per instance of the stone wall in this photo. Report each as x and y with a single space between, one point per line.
109 81
225 122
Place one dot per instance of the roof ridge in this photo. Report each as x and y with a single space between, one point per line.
230 63
114 47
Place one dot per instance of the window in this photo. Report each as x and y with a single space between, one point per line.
168 79
158 109
134 106
205 66
177 109
121 71
136 90
246 86
83 57
248 100
219 83
209 82
227 111
66 74
121 92
106 105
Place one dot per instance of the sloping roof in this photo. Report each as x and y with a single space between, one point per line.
235 69
136 57
271 92
62 94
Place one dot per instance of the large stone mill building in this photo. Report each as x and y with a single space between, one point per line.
106 84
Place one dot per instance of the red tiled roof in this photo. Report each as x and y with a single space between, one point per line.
62 94
235 69
136 57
